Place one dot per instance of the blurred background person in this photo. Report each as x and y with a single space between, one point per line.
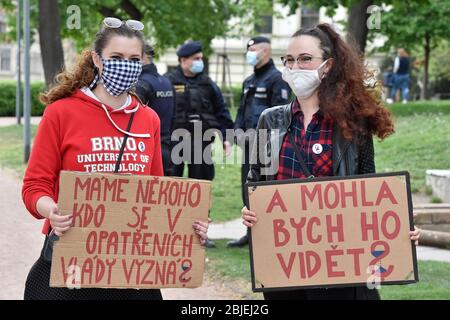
401 76
157 92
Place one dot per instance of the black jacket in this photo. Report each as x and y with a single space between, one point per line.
199 96
349 157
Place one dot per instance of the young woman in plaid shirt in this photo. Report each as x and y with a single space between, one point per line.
332 121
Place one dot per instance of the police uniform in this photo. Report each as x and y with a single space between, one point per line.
198 100
263 89
157 92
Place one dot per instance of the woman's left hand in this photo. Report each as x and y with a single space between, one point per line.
201 229
415 235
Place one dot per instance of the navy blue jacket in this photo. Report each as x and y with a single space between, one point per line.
263 89
157 92
403 66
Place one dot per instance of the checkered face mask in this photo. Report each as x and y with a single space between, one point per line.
119 75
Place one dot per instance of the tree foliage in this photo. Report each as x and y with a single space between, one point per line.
168 22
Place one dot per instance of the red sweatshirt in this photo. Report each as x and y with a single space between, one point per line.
76 134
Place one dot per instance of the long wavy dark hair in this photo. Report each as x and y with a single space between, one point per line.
342 94
84 71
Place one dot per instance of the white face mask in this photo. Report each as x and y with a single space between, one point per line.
303 82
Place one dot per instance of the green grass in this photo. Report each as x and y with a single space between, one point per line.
226 192
420 107
226 189
11 147
434 283
434 277
227 263
421 142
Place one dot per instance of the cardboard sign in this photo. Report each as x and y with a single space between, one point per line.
331 232
130 231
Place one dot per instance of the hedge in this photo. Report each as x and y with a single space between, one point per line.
8 98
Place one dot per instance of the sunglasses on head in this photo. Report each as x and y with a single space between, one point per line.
117 23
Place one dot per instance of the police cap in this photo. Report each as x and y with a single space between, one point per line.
189 48
256 40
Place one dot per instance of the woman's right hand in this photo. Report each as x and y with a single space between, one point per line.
59 223
248 217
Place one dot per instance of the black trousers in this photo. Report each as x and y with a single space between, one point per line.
200 170
346 293
167 163
245 168
37 288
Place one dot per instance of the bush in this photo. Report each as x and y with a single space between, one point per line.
8 98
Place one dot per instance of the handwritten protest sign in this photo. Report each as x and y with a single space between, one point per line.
130 231
332 232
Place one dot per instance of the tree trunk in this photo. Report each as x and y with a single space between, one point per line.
50 39
357 24
107 12
427 49
131 9
206 62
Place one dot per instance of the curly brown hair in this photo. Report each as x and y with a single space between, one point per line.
342 94
84 71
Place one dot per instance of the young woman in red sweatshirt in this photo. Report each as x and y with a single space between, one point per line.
88 113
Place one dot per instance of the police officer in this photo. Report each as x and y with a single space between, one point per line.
199 104
157 92
261 90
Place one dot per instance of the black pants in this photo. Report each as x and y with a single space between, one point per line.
167 162
346 293
245 168
37 288
200 170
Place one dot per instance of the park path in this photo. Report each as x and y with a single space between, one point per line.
10 121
